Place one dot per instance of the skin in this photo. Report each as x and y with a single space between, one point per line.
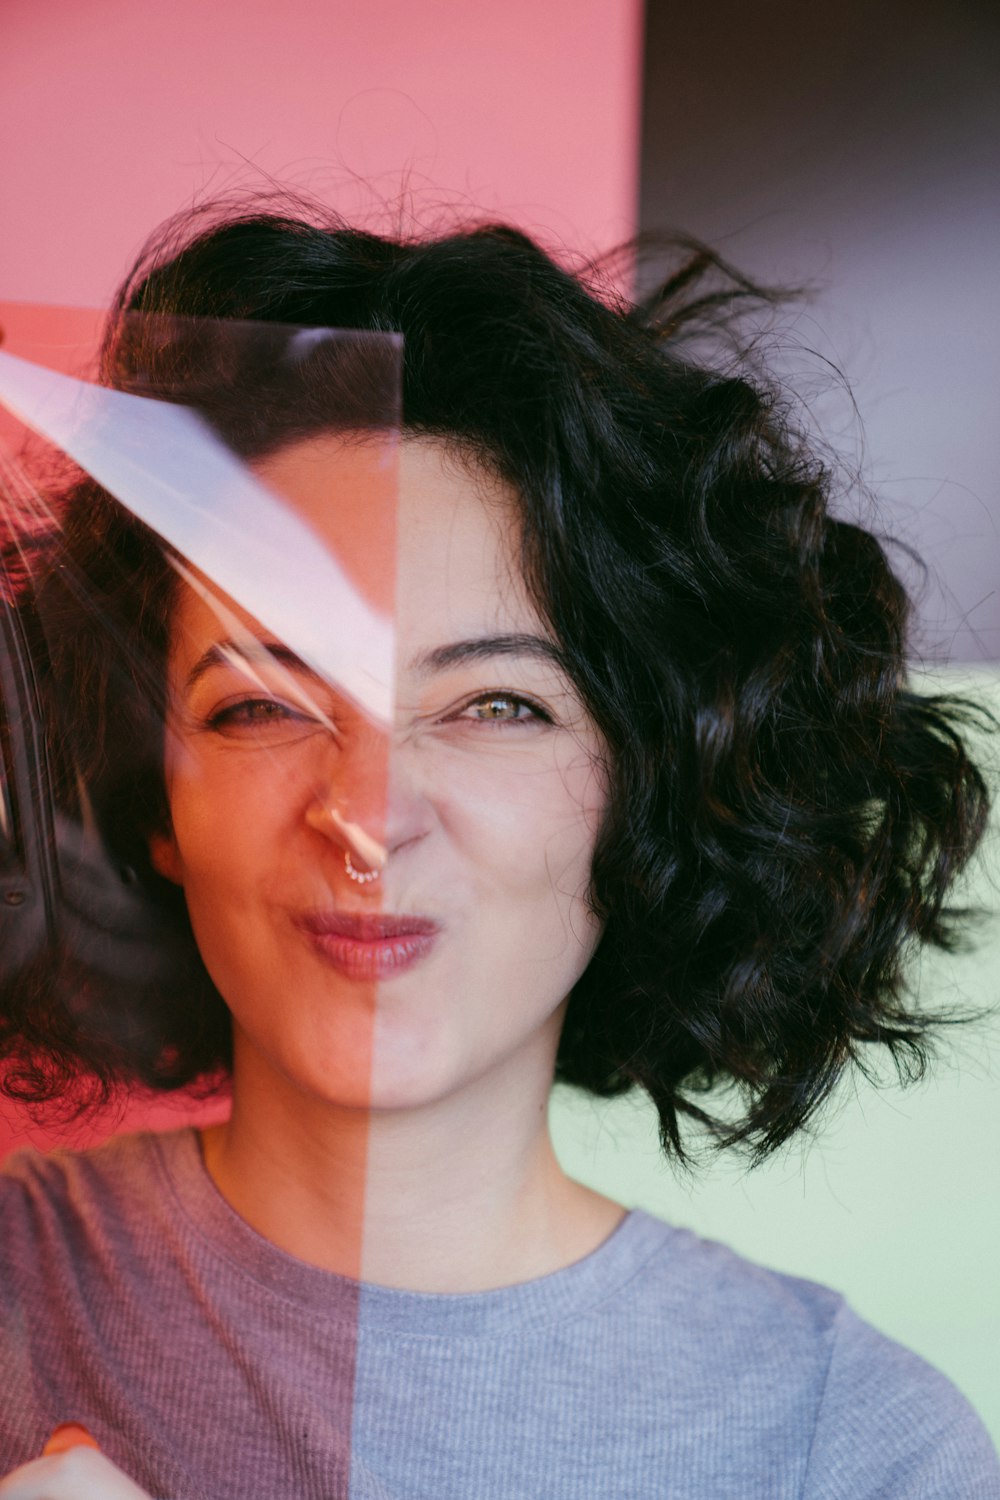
77 1473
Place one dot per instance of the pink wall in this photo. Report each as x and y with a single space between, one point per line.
114 114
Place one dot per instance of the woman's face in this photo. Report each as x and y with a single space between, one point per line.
486 794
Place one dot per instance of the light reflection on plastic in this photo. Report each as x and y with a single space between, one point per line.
163 462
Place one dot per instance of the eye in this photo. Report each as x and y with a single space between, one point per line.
255 717
503 708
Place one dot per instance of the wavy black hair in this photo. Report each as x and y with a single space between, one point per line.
786 815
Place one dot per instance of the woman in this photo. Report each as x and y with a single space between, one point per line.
656 808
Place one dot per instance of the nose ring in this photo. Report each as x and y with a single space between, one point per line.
361 877
324 817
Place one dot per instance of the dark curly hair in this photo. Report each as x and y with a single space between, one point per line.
786 813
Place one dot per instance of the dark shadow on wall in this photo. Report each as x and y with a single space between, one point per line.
857 148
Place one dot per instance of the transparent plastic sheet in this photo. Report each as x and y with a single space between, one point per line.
138 492
193 407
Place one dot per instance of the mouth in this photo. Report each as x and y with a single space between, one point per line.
369 945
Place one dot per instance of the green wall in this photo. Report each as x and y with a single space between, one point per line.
896 1202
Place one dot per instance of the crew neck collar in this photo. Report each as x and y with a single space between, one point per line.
565 1293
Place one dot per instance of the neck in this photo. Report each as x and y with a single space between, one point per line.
461 1194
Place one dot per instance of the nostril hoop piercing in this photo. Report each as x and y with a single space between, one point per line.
361 877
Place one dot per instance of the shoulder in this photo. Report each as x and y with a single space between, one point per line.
75 1263
890 1417
718 1300
64 1172
873 1417
62 1201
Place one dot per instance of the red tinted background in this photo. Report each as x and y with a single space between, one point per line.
115 114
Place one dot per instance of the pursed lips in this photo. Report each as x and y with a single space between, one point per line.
368 945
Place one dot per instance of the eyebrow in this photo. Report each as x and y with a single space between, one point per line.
485 647
437 659
221 653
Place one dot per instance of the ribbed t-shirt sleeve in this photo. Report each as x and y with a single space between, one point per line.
889 1427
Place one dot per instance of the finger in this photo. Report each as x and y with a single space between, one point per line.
69 1435
77 1474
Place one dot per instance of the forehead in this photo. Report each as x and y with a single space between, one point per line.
427 534
458 546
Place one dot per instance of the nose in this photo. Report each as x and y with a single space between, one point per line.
367 806
348 802
365 855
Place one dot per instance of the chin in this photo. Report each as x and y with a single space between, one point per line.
399 1087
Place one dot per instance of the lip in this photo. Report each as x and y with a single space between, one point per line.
369 945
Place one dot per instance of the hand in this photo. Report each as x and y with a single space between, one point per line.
71 1468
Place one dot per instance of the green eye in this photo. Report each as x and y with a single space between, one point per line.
504 708
499 708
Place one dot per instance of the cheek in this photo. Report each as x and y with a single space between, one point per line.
226 821
228 839
526 833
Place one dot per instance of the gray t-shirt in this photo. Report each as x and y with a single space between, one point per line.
212 1366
